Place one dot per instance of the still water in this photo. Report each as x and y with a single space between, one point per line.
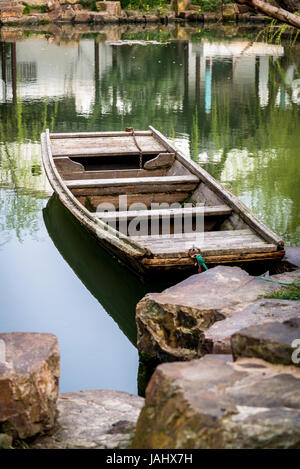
232 104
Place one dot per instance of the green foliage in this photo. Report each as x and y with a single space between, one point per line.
89 5
145 5
33 8
210 5
291 292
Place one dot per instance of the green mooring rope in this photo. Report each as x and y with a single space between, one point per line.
201 263
274 281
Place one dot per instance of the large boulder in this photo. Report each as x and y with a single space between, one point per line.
274 342
29 374
93 420
218 337
213 403
172 324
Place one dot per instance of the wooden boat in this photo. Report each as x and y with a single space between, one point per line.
93 170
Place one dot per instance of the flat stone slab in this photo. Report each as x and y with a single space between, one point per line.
218 337
213 403
29 375
171 324
96 419
274 342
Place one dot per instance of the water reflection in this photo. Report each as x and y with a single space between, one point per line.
230 103
110 283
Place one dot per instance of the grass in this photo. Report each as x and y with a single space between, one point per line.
291 292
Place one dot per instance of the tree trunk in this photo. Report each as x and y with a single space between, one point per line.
275 12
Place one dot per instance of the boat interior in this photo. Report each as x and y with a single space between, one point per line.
98 169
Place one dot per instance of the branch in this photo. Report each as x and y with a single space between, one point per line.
275 12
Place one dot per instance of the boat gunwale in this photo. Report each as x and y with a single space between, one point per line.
107 233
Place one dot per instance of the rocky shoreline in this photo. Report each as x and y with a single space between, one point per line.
35 12
234 380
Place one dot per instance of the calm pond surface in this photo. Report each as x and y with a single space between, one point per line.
233 105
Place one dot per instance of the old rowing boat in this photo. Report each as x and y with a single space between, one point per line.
151 206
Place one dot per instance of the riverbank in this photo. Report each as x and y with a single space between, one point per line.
77 12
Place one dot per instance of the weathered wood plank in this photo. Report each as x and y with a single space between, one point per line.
212 243
158 181
64 164
157 263
172 212
111 174
222 192
147 199
132 189
102 146
98 134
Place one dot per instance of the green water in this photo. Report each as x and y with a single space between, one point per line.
231 104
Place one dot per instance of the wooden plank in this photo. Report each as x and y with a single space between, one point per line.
160 180
158 263
171 212
102 146
213 243
222 192
109 174
132 189
98 134
147 199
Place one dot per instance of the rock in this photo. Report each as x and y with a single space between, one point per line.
273 342
5 441
218 337
93 420
190 15
53 5
213 403
82 17
67 14
244 8
230 11
212 16
171 324
36 3
55 14
111 8
9 14
29 374
97 17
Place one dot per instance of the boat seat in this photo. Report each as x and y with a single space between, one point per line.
218 210
159 180
210 243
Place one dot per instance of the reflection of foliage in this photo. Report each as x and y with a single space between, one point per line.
275 32
250 146
20 213
261 151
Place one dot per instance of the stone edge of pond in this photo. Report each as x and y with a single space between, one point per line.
72 13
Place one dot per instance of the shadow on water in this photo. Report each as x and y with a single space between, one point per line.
117 289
